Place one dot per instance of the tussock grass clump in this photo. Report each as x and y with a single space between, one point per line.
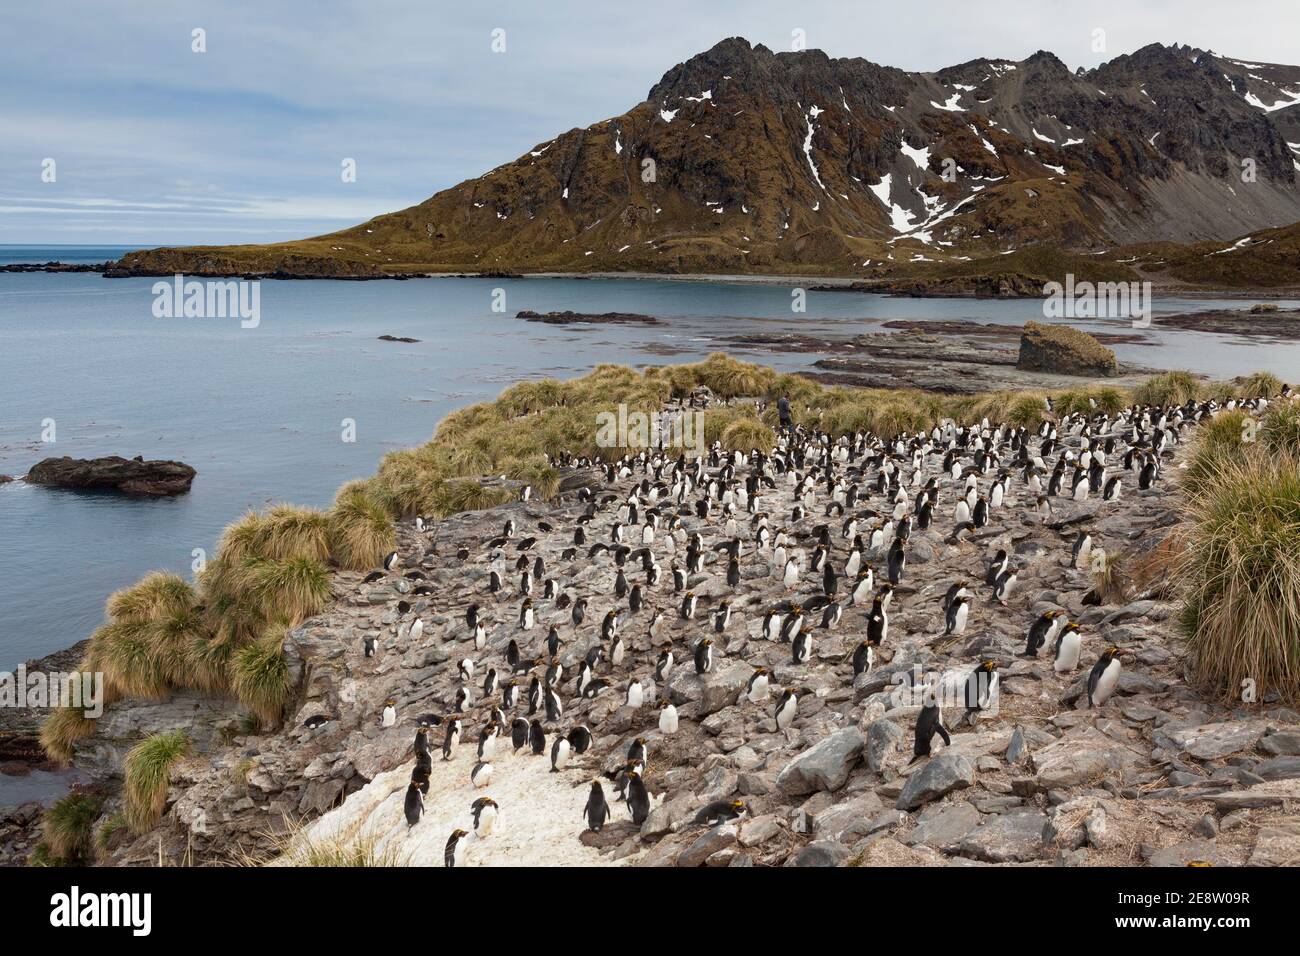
115 824
360 528
70 825
1218 439
156 595
296 533
260 675
296 848
1258 385
1168 388
130 657
62 729
295 589
468 495
746 434
1110 583
726 377
147 773
1279 433
534 471
1240 576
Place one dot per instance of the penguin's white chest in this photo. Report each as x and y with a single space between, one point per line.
1068 658
668 720
785 714
487 821
1106 683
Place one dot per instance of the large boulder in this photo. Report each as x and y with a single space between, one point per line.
1012 837
1086 757
1212 741
940 775
132 476
713 691
1064 350
824 766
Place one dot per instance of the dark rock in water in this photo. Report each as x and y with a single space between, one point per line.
5 479
397 338
54 267
587 318
1061 349
133 476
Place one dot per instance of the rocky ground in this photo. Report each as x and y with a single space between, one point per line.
22 760
1159 775
1275 323
951 357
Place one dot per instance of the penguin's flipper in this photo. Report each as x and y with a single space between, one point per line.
947 741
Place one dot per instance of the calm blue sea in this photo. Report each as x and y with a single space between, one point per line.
258 411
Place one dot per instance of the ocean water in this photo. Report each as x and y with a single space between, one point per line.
260 411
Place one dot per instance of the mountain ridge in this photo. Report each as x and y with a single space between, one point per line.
742 160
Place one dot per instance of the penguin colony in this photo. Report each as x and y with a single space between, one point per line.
826 521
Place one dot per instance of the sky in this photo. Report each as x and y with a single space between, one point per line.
154 143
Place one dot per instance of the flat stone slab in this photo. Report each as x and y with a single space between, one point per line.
944 827
824 766
1278 844
940 775
1212 741
1012 837
1274 793
1087 756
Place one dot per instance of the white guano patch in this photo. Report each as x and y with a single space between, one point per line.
540 818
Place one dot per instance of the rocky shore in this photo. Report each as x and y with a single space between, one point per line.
949 357
1258 321
587 318
1159 775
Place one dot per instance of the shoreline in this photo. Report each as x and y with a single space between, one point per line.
815 283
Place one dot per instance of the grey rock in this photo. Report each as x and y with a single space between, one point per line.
821 853
824 766
1016 749
717 689
709 843
940 775
1075 760
944 826
849 821
1211 741
1282 744
1278 768
759 830
1180 854
1278 844
883 737
1012 837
